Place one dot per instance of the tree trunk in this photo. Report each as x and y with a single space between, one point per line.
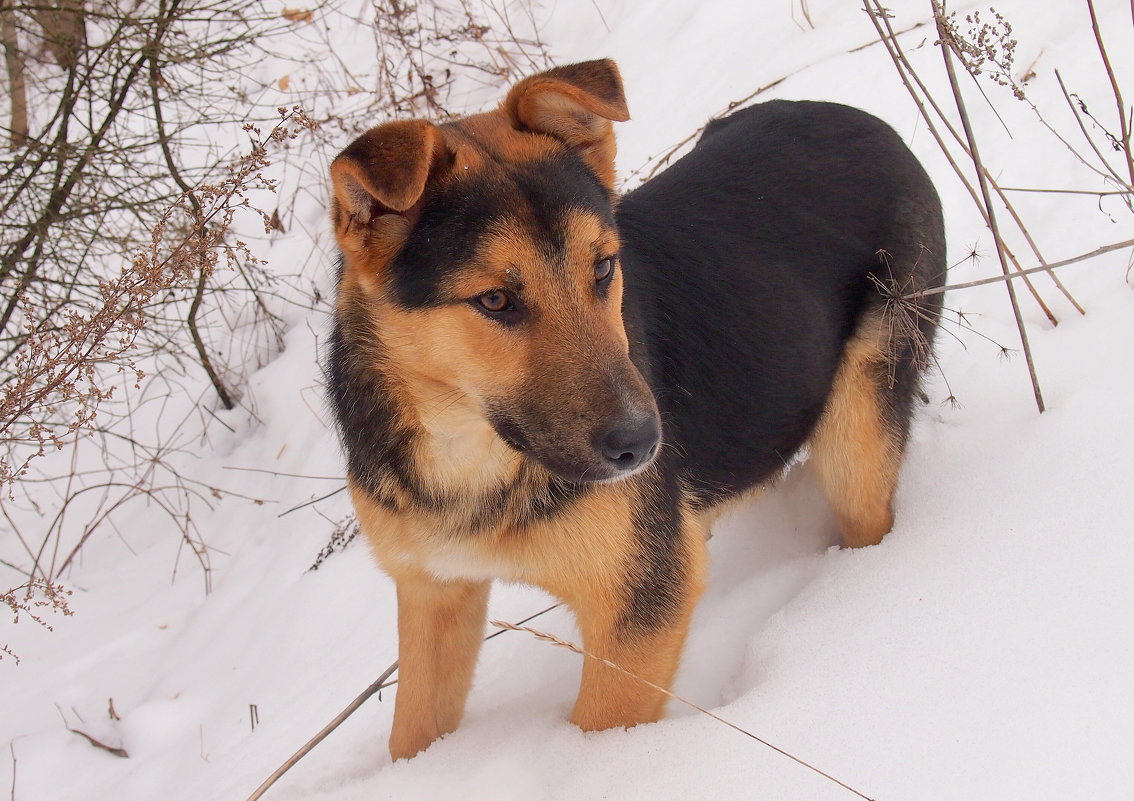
14 61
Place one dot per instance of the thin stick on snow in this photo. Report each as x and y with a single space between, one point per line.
118 751
330 727
377 685
551 638
313 501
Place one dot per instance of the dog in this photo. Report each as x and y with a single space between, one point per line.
536 380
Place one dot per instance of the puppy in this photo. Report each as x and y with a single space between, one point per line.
536 380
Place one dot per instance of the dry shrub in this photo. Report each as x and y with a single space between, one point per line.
137 297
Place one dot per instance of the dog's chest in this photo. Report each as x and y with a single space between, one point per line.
439 545
461 560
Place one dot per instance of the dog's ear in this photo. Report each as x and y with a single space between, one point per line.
378 182
576 104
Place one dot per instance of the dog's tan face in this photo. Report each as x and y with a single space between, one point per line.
487 253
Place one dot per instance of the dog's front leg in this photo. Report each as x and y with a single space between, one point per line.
440 629
609 697
640 627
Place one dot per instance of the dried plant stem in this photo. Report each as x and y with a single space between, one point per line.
1124 127
664 158
378 684
199 344
551 638
363 697
996 279
909 78
118 751
1108 171
943 32
1091 192
198 221
1035 250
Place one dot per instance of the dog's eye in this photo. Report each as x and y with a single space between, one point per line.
604 269
496 301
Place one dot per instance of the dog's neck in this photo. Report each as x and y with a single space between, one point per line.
456 451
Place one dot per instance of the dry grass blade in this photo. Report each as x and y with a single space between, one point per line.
551 638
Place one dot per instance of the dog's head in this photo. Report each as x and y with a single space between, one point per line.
487 255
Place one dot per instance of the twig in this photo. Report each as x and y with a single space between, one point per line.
937 290
1090 192
602 16
909 77
278 474
806 15
312 501
378 684
330 727
881 39
1035 249
1123 127
204 270
213 415
118 752
551 638
943 32
663 159
1076 112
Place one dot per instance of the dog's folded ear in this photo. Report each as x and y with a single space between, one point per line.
576 104
384 172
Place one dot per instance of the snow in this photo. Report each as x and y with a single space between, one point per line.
984 650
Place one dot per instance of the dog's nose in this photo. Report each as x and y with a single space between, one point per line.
631 443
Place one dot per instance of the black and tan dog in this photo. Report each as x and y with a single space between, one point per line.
538 381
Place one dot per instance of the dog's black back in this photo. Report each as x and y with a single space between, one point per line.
748 267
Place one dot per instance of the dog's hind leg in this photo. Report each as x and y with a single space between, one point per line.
857 447
440 629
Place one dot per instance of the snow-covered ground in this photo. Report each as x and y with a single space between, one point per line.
985 650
